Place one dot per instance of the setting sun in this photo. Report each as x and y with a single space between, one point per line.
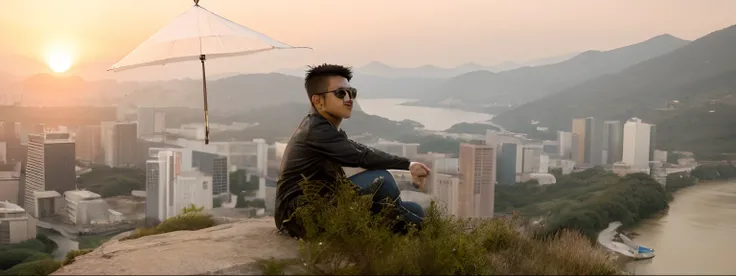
60 61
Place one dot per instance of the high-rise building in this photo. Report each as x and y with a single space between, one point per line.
169 189
150 121
447 192
613 136
119 141
532 154
652 140
478 180
220 176
15 226
107 130
564 141
506 163
153 192
9 186
544 164
574 148
13 149
589 140
216 166
88 139
159 122
636 144
50 166
160 189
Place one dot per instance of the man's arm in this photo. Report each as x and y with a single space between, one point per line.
327 140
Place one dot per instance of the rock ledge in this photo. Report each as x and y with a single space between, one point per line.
231 249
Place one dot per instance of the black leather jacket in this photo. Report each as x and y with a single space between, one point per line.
318 151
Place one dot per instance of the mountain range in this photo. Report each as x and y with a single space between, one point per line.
380 69
514 87
689 93
230 92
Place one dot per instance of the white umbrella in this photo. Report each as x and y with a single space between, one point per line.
198 34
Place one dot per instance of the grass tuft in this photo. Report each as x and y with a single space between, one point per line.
344 238
191 219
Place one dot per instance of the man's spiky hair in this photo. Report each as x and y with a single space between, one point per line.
315 80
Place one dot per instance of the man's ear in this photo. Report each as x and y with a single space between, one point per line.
316 100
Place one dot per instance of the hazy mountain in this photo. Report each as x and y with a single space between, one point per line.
427 71
381 69
550 60
529 83
281 120
370 86
689 93
375 86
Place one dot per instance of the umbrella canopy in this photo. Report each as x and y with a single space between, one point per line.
198 32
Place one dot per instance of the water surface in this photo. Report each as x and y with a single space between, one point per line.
696 236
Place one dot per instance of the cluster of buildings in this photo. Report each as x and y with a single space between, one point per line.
628 147
38 180
38 172
465 184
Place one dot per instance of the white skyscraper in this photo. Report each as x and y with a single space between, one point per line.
532 155
150 121
565 139
636 144
169 188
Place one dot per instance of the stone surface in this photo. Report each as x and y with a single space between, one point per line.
227 249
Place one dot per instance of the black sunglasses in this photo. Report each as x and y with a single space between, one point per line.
340 93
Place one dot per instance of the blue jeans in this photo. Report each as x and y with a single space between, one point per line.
409 212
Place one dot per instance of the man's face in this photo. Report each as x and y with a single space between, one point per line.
341 108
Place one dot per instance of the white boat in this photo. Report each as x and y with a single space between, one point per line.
639 252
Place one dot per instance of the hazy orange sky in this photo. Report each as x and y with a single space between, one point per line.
400 33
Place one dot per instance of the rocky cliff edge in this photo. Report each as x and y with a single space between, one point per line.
231 248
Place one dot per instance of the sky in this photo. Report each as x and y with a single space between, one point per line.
404 33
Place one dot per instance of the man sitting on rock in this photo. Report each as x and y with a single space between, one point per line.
318 150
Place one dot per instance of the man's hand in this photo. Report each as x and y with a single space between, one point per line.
418 169
419 173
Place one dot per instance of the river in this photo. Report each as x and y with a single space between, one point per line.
696 236
431 117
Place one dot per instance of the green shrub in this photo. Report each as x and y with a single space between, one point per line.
192 218
49 245
72 255
12 257
38 256
273 266
41 267
585 201
33 244
343 238
91 242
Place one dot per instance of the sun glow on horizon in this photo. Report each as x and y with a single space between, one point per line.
59 61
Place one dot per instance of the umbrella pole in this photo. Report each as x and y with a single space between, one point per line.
202 58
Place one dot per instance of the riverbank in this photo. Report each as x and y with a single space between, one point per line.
491 109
